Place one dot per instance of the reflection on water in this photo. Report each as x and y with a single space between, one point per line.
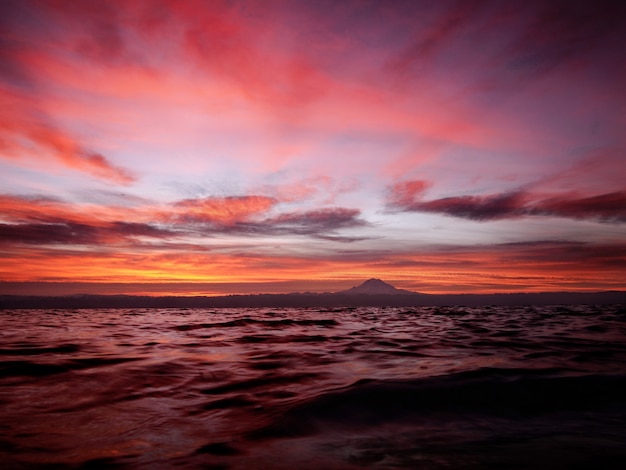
513 387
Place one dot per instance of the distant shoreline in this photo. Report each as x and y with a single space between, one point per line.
297 300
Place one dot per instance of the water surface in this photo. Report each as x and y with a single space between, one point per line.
494 387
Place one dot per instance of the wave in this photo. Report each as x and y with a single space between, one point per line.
338 389
40 369
488 392
33 350
254 321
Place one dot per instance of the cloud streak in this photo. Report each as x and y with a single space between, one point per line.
38 220
610 207
75 234
26 130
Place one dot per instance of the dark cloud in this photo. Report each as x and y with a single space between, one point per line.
72 233
53 233
609 207
318 221
498 206
322 223
342 239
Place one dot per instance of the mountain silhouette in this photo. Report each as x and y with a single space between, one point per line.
375 287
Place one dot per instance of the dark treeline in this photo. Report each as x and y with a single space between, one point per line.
310 300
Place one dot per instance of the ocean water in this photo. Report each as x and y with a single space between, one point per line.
423 388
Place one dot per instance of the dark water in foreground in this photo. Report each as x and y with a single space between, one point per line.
425 388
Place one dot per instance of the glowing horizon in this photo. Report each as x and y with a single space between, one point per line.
285 146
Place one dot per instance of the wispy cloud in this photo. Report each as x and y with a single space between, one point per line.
38 220
27 130
223 210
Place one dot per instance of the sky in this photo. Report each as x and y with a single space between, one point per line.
198 147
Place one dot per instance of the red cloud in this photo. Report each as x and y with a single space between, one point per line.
23 125
74 156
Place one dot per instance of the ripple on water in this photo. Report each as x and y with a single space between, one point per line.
445 387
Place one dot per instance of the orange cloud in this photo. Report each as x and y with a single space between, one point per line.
225 210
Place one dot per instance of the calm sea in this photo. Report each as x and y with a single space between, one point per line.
424 388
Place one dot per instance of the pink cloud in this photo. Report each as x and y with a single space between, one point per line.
25 129
405 193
